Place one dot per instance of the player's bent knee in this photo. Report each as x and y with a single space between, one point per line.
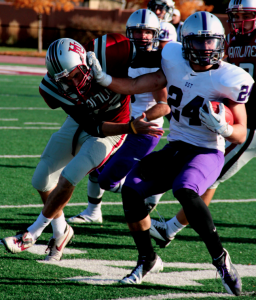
133 204
42 180
184 195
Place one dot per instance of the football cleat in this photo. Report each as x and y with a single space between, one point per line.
228 274
158 233
150 207
78 219
19 242
143 268
56 246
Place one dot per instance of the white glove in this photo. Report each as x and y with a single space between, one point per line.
101 77
215 122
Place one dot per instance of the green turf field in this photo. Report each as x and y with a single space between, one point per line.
103 253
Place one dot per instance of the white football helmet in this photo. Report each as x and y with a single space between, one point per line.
166 5
203 39
167 32
241 6
63 57
143 19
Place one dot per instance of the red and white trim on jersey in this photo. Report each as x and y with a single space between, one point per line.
114 148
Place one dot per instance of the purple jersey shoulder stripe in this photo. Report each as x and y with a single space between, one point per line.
143 17
204 20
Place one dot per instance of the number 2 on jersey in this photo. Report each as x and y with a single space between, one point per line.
191 110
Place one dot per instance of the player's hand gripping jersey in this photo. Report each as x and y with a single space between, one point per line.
242 53
189 90
115 53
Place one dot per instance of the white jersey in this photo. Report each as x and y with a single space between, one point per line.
189 90
144 101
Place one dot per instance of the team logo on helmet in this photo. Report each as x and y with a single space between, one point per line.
76 48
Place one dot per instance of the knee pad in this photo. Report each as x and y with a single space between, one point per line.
133 204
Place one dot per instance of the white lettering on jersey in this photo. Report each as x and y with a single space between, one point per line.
189 90
236 52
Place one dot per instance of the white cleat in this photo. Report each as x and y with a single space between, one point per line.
78 219
56 246
19 242
142 269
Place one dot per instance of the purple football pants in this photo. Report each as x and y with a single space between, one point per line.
178 165
135 147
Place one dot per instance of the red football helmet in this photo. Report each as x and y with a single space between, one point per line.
238 25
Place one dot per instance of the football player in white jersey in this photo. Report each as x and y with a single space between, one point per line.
162 8
242 18
167 34
193 159
142 28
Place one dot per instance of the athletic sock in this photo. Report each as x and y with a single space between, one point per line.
92 210
173 227
58 226
38 226
142 240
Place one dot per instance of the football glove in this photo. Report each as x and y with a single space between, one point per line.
215 122
101 77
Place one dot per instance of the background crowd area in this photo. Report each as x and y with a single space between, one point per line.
34 24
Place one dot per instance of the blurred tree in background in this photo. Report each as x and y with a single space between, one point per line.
187 8
44 6
220 6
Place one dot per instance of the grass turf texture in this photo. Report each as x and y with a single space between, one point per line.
22 276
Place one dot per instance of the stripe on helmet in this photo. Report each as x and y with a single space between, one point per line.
204 20
54 58
143 17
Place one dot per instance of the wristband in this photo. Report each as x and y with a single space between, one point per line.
105 79
228 131
131 126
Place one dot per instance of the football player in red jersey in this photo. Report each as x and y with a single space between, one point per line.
142 28
241 52
96 126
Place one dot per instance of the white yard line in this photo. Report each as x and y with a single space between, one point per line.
26 128
120 203
26 108
39 123
19 156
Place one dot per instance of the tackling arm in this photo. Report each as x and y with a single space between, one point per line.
126 86
142 84
135 126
